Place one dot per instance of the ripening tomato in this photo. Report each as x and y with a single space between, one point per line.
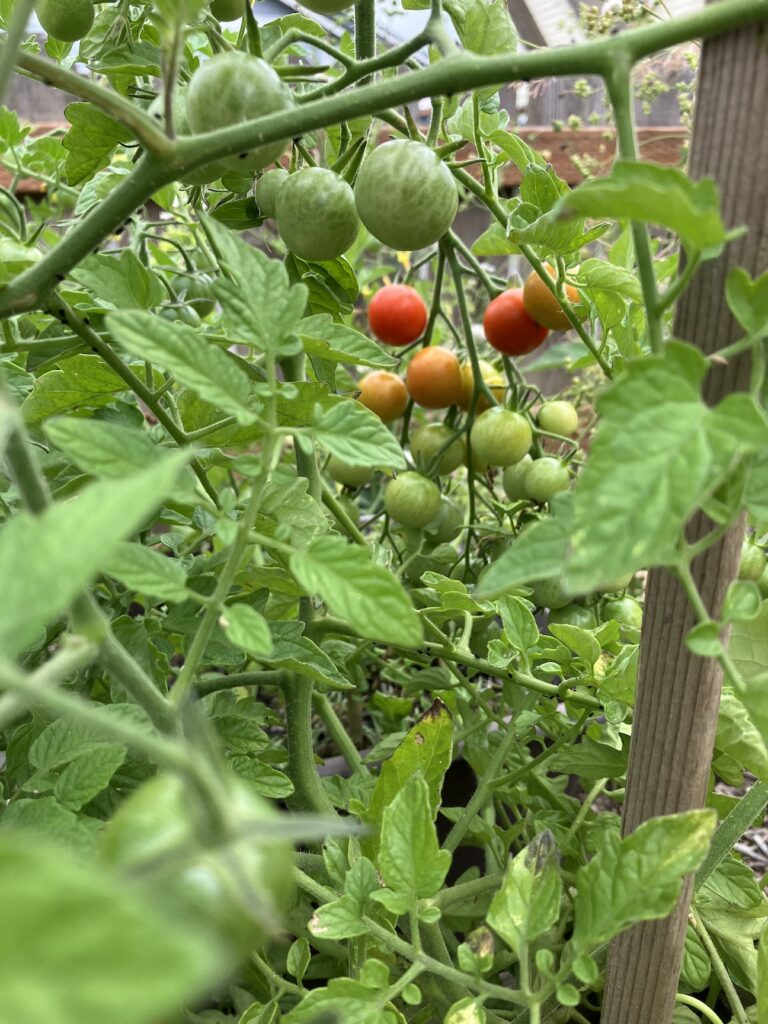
434 378
412 500
233 87
436 449
492 378
544 478
513 480
542 305
752 561
383 393
508 327
558 418
239 888
267 188
500 437
349 476
397 314
406 196
573 615
316 215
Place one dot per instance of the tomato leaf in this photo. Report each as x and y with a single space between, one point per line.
366 595
528 902
45 560
635 190
357 436
190 357
82 381
642 872
410 859
95 928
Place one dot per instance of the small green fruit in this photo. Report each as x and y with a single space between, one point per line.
67 20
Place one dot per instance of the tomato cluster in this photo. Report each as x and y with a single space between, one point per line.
518 321
318 215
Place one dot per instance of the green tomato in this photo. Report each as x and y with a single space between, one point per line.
228 10
67 20
231 88
550 594
350 476
573 615
197 292
559 418
762 583
239 889
545 477
752 562
316 214
201 175
627 612
184 314
436 449
448 523
267 189
325 6
412 500
513 480
500 437
405 195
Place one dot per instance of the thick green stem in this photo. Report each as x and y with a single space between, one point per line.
308 794
146 130
20 14
339 734
365 29
619 83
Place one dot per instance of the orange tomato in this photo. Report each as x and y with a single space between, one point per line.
434 378
509 328
541 304
492 378
384 393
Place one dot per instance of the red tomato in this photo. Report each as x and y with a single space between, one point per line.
397 314
508 327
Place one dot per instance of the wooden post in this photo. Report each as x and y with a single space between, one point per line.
678 693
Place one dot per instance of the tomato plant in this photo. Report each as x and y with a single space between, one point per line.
436 449
267 188
412 500
272 579
542 305
397 314
315 213
229 88
384 393
500 437
434 378
544 478
406 196
509 328
558 418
